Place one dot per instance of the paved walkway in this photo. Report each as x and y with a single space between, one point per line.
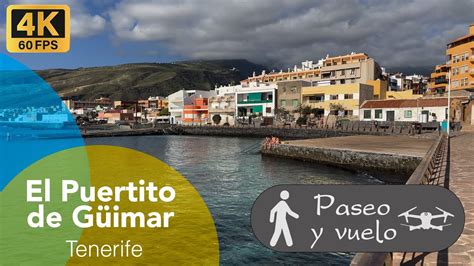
400 145
462 184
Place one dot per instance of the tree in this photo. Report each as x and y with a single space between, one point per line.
301 120
217 119
336 108
164 112
283 115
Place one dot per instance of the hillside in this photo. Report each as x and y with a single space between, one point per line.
138 81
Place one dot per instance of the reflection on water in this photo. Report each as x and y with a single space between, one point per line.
229 173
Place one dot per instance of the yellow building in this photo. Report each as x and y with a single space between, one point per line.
460 53
408 94
349 96
380 88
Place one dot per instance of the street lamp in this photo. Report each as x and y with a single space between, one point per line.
449 102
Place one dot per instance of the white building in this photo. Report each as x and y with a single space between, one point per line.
227 90
411 110
176 103
256 98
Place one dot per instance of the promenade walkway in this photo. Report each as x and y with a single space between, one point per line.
400 145
462 184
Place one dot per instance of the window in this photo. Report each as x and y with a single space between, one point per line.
333 73
408 114
378 114
268 110
352 71
348 96
333 97
296 103
283 103
343 72
316 98
367 114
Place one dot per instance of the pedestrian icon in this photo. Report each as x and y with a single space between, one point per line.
280 211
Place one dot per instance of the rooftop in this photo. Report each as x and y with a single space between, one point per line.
405 103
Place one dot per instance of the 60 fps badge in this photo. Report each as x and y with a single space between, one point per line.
38 28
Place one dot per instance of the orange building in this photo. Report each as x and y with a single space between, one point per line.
154 103
460 53
196 110
459 66
439 80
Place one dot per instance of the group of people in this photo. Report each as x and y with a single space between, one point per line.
270 142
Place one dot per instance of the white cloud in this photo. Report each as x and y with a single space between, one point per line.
83 23
284 32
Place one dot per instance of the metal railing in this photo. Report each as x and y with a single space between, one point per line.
432 170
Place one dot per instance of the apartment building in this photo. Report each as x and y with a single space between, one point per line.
308 71
224 106
154 103
350 68
176 103
195 110
460 58
347 96
289 94
256 99
438 83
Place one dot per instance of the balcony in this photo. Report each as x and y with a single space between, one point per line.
253 101
440 81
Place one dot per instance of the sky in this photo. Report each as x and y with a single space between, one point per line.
277 33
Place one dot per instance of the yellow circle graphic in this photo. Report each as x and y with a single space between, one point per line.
187 237
102 222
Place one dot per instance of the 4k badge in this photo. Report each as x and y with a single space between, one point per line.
38 28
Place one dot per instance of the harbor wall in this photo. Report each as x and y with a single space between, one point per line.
262 132
391 168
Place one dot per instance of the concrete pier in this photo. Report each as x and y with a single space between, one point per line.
392 157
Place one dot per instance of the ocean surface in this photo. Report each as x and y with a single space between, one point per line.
230 173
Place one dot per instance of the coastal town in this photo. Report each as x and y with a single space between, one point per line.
351 87
234 130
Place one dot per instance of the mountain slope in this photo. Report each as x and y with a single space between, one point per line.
139 81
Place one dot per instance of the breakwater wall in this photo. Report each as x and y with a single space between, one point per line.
257 132
262 132
120 133
391 168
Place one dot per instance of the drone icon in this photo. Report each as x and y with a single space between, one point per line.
426 218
